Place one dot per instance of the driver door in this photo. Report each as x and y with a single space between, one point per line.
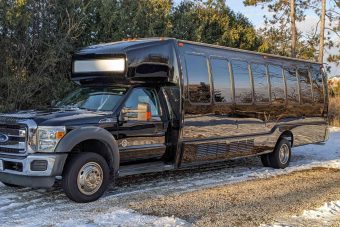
141 130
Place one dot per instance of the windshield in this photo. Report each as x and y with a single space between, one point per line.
95 99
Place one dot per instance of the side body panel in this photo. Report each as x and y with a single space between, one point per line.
241 121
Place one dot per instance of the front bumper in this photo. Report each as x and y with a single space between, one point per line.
21 170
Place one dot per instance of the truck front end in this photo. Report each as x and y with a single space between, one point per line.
26 152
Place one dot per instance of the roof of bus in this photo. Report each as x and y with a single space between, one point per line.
124 45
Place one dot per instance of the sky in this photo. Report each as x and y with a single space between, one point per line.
255 15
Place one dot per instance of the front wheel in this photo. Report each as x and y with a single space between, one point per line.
280 157
86 177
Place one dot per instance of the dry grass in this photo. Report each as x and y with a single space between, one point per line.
334 111
249 203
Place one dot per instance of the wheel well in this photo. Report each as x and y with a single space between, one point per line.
94 146
288 135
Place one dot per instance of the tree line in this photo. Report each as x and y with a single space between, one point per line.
38 37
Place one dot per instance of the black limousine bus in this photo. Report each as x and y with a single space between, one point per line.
158 104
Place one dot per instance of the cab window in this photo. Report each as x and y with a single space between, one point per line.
142 96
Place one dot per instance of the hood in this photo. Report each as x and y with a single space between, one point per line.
59 116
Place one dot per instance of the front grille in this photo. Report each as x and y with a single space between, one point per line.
16 135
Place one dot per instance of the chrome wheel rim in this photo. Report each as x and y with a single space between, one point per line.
90 178
284 154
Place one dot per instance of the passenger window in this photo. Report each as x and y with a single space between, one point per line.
305 86
317 84
243 90
277 83
221 79
198 79
292 85
142 96
260 78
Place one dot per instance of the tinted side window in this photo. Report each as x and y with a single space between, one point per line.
305 86
260 78
317 84
243 90
292 85
277 83
198 78
221 80
141 95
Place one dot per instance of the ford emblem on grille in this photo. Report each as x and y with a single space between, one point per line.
3 138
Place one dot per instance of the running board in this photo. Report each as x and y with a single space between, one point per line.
149 167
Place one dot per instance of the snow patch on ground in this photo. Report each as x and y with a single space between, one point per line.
331 209
122 217
33 207
323 216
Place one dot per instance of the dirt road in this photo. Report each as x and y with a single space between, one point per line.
250 203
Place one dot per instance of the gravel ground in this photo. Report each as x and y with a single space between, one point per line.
250 203
50 207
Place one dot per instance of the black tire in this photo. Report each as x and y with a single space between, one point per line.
73 167
265 160
274 158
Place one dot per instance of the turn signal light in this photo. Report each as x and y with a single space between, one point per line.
59 135
148 116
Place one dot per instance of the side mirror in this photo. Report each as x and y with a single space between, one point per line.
122 118
144 112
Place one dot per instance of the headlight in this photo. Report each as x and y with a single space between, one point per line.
48 137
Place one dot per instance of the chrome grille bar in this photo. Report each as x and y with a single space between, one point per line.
17 139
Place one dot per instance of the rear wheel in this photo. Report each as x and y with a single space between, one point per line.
280 158
86 177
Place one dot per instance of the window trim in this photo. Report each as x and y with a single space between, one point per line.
212 57
187 79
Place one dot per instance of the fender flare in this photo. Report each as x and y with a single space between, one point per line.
76 136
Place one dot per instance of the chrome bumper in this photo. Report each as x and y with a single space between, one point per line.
55 163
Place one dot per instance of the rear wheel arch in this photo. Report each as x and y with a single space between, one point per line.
288 135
